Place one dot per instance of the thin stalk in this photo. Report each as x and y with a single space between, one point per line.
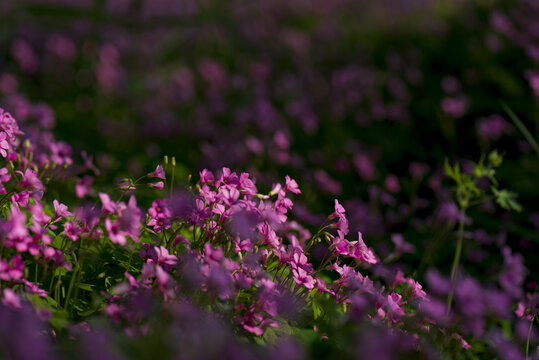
75 275
172 175
36 272
520 125
529 335
456 260
71 284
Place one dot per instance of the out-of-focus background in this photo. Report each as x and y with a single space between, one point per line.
356 100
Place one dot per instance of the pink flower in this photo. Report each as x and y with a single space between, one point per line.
162 277
157 185
11 299
340 245
109 206
72 230
34 288
462 342
521 310
17 225
362 252
160 256
30 180
116 236
158 172
61 153
206 176
4 145
302 278
60 210
455 106
21 198
83 186
213 254
246 185
394 309
291 185
392 183
129 219
229 194
13 270
38 215
342 222
321 286
401 246
5 176
159 215
255 323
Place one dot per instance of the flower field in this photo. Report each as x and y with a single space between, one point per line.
201 179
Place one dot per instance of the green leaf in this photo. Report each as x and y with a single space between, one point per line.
495 158
452 171
507 199
87 287
520 125
59 319
317 310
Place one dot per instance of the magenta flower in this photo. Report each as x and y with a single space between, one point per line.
60 153
11 299
340 245
158 172
228 194
12 270
16 225
392 183
242 280
401 246
9 125
159 215
159 255
322 287
116 236
302 278
109 206
254 322
291 185
362 252
206 177
38 215
157 185
4 145
34 288
21 198
246 185
342 222
60 210
455 106
128 221
72 230
213 254
5 176
30 180
394 309
83 186
493 127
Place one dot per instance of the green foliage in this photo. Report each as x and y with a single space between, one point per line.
468 189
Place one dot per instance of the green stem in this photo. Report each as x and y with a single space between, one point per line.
456 259
172 175
35 273
71 284
529 335
75 275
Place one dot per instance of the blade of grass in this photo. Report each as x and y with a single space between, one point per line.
521 127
